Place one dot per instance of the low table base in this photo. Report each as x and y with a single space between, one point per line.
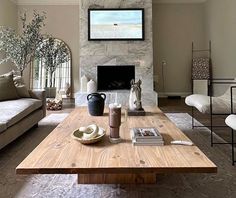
117 178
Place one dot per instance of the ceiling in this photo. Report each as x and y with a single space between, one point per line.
76 2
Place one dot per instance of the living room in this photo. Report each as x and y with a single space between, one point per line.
57 120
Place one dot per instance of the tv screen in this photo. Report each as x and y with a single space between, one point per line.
116 24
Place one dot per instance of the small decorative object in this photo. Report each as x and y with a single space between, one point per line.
55 104
146 136
115 122
135 101
20 49
83 84
96 102
91 87
68 90
89 135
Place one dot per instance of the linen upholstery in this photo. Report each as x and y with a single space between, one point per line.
202 104
34 111
7 88
13 111
40 95
21 127
231 121
3 126
21 88
220 105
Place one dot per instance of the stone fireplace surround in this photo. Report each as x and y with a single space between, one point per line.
138 53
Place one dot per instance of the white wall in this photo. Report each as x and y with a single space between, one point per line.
8 18
221 29
175 26
62 22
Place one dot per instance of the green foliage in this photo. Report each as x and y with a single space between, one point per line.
20 48
52 53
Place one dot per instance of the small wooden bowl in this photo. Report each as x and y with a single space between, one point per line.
77 135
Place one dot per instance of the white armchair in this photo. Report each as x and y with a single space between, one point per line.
221 105
231 122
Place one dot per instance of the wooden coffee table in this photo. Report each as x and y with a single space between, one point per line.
105 163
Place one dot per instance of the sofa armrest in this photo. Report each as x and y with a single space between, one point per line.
40 95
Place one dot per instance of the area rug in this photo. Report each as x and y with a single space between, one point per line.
53 119
220 185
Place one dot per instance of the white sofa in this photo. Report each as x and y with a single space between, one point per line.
18 116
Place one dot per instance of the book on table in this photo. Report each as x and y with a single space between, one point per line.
146 136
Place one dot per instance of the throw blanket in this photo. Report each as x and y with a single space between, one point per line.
201 68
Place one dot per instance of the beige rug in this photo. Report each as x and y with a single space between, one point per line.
220 185
53 119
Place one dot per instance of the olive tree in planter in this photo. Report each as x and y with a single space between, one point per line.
52 54
20 48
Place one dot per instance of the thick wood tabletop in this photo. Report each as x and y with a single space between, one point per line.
58 153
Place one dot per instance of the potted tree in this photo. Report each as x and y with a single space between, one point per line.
20 48
52 54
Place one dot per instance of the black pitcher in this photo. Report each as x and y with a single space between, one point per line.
96 102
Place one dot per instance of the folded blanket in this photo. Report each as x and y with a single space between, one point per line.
201 68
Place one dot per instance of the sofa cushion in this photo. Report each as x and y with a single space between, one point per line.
13 111
8 89
21 88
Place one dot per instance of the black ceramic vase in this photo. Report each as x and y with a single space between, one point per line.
96 102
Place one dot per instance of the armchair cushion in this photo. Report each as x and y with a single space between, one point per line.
231 121
219 104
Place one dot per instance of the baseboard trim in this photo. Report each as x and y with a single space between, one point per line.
172 94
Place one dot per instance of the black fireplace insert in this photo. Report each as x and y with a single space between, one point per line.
115 77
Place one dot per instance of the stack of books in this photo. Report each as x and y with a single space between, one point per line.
146 137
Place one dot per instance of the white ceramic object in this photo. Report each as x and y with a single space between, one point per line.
79 135
83 84
91 87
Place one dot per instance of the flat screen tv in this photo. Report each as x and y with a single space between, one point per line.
116 24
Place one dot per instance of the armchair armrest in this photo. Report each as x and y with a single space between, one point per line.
40 95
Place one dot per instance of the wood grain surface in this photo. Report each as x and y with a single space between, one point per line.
60 154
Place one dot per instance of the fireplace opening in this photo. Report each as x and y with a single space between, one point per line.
115 77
